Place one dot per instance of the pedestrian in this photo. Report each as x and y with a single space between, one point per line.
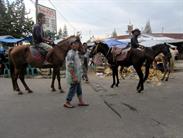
39 38
85 63
134 40
73 75
2 59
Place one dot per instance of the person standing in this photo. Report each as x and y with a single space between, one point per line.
85 63
73 76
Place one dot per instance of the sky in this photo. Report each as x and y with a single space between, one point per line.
101 17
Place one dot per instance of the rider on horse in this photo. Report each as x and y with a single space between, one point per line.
39 38
134 40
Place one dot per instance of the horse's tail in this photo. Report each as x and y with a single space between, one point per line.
12 70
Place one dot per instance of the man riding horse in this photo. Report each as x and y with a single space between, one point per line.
39 38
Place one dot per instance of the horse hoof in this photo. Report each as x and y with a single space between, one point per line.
30 91
140 90
20 93
53 90
61 91
111 86
17 89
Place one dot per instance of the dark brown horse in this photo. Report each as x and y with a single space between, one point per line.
21 56
135 57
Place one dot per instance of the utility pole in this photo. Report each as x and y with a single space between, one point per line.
36 3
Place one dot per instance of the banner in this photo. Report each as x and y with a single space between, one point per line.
50 15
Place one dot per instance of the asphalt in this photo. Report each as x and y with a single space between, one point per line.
120 112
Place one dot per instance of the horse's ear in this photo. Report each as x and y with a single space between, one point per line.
165 43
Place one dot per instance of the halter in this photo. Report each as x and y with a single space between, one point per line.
95 48
108 51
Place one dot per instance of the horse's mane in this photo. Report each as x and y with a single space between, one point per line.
158 45
101 43
65 40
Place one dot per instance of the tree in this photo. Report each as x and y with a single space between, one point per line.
2 17
65 32
114 34
50 35
14 19
60 34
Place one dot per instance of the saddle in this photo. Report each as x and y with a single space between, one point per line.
120 54
38 53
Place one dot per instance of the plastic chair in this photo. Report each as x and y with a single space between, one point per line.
31 70
6 72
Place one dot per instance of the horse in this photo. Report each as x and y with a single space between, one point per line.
155 50
168 63
21 56
134 57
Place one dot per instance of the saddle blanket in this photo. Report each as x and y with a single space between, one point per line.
37 53
120 54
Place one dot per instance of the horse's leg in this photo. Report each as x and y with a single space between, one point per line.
147 66
168 71
140 86
53 79
16 75
121 72
58 79
117 77
113 75
12 73
164 74
165 70
22 78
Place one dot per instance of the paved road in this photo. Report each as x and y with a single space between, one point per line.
113 113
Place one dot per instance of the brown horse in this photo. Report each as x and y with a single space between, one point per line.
21 56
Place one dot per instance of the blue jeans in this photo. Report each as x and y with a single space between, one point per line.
74 88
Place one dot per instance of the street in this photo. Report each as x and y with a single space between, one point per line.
120 112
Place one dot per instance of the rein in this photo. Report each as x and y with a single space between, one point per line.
95 48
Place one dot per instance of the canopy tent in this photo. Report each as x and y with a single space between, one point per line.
14 40
114 42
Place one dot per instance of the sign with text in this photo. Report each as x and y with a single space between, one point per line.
50 15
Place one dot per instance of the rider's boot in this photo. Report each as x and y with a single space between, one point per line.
47 59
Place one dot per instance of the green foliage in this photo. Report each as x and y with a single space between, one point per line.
114 34
65 32
60 34
50 34
14 20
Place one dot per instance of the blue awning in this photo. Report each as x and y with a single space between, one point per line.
10 40
115 42
15 40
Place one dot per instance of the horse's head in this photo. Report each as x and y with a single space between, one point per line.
99 47
66 43
166 50
94 50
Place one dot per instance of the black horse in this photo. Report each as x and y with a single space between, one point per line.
152 52
134 57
